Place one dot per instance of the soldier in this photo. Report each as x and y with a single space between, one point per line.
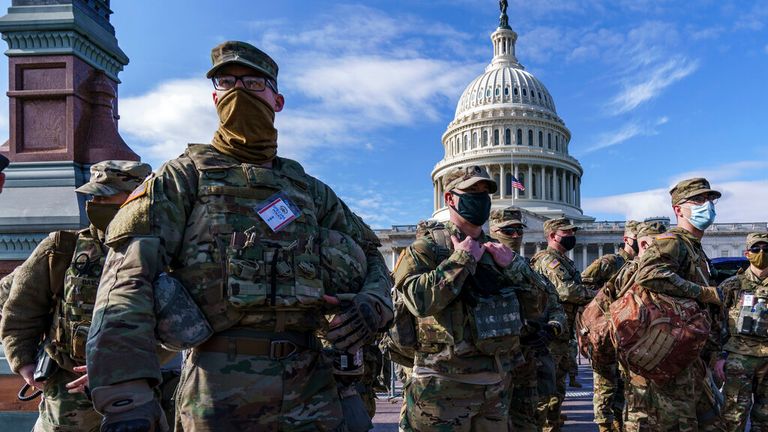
744 361
456 282
608 398
543 319
676 265
57 301
553 264
638 404
241 229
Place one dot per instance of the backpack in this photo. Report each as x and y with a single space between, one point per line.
593 330
656 335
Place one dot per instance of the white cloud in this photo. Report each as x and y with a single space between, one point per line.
647 87
625 133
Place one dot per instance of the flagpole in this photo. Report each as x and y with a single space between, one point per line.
511 168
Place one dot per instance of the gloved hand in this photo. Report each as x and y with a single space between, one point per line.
710 295
356 325
129 407
554 329
530 327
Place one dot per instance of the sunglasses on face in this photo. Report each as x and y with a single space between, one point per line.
758 248
512 230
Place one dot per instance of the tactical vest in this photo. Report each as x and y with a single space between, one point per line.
72 319
756 326
531 290
486 315
237 268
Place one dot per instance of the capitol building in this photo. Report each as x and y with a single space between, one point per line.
506 121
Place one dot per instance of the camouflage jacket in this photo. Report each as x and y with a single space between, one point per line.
625 276
165 225
432 280
603 269
5 289
675 264
28 313
562 272
538 297
734 288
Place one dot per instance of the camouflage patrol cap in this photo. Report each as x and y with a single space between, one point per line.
501 218
3 163
112 176
242 53
463 177
645 229
690 188
755 238
630 228
563 224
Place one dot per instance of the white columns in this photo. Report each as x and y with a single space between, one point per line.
522 249
562 186
502 181
394 258
517 176
543 193
600 250
584 257
538 247
570 254
435 192
530 181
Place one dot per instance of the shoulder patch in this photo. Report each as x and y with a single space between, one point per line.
665 236
139 192
554 264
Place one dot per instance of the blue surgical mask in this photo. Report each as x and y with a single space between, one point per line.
702 216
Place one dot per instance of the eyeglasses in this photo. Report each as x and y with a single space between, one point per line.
758 248
701 199
250 82
511 230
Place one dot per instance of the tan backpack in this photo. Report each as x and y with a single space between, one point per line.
593 330
658 335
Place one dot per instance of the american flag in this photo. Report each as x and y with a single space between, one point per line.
516 184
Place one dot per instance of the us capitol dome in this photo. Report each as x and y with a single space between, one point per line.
507 122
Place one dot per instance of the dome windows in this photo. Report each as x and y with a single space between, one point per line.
506 91
530 137
495 137
519 140
525 93
507 137
516 92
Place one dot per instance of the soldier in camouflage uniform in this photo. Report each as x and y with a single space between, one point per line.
458 284
608 399
745 356
553 264
242 230
543 317
676 265
58 305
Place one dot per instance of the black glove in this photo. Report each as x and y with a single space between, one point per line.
144 418
552 330
530 327
356 326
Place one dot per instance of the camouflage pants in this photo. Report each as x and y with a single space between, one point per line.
441 405
608 398
638 404
222 392
573 354
746 379
525 395
62 411
549 408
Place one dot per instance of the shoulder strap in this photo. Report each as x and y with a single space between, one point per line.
60 258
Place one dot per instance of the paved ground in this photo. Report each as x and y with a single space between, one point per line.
577 406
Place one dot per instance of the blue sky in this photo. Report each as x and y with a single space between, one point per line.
652 91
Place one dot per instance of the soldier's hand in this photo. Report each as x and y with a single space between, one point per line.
129 407
720 369
356 325
469 245
501 254
28 373
710 295
78 385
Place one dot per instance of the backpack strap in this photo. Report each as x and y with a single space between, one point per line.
60 258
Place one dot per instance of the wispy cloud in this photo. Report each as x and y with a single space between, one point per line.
625 133
649 87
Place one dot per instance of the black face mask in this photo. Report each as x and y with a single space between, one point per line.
567 242
474 207
635 245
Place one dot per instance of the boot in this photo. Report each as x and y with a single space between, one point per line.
572 381
604 427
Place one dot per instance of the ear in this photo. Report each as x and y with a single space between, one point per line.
448 198
215 98
279 102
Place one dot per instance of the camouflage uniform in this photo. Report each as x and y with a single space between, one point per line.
539 304
608 399
676 265
59 304
746 367
562 272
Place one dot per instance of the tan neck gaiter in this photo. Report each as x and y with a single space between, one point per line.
246 128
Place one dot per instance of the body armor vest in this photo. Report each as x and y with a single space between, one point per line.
237 269
748 317
485 317
72 319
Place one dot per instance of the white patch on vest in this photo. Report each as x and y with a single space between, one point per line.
278 211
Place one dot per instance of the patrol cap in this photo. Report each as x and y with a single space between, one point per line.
463 177
563 224
3 162
630 228
242 53
112 176
690 188
505 217
755 238
645 229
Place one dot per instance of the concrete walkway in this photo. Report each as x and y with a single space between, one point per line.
577 406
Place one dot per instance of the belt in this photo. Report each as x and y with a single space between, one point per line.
276 346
